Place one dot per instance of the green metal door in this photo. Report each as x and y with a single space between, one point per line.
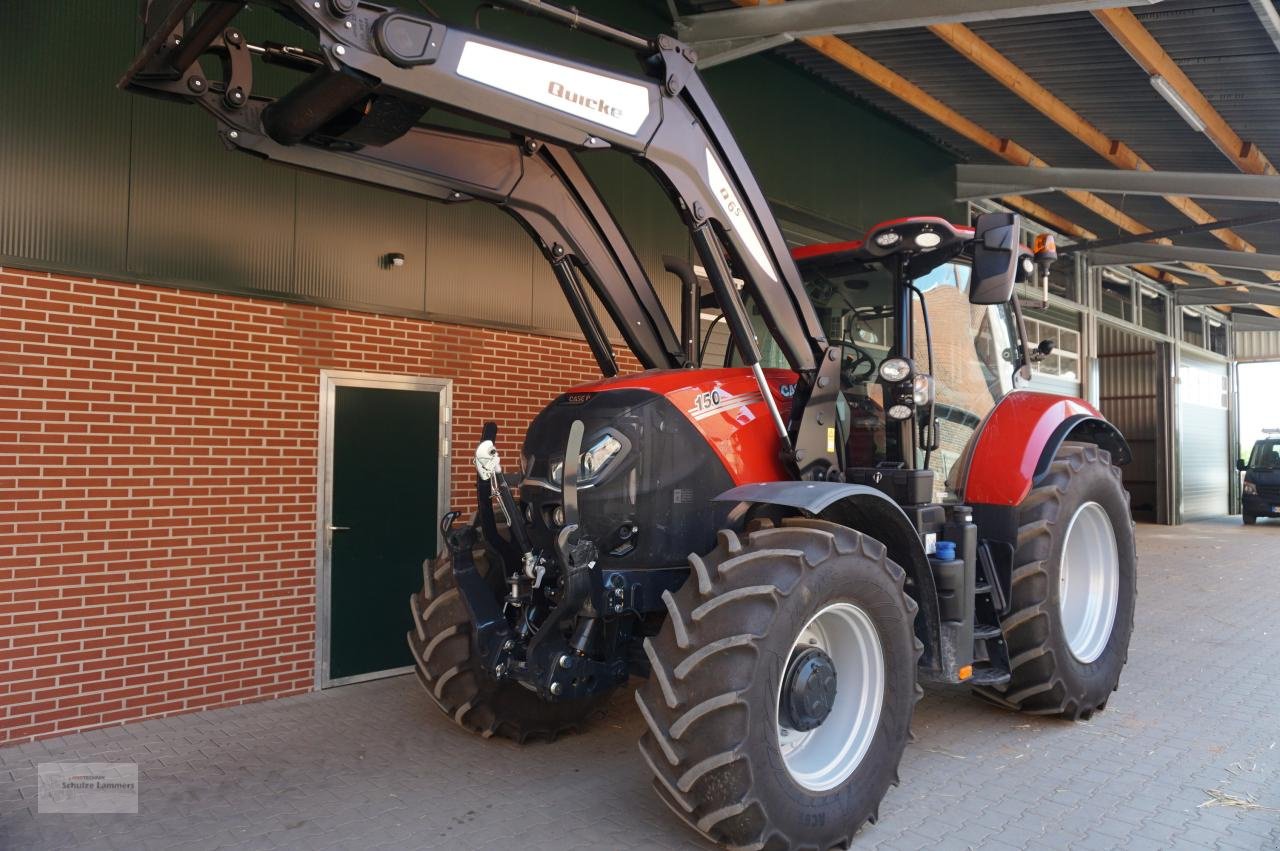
385 467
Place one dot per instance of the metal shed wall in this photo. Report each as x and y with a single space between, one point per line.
1128 382
1257 345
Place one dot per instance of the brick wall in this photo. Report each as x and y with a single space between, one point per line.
158 484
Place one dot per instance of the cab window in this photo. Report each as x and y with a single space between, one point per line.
975 360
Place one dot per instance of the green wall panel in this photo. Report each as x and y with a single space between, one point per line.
103 183
345 230
201 214
64 133
813 149
479 264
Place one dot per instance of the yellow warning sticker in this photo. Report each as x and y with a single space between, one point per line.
831 440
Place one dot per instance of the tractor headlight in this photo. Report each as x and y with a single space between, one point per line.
599 456
922 389
593 462
894 370
899 412
887 239
1250 488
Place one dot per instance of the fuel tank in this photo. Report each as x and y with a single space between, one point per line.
658 446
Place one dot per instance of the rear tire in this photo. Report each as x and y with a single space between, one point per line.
1249 519
1066 659
453 677
711 705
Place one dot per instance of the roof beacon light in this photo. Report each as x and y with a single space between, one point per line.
888 238
1180 106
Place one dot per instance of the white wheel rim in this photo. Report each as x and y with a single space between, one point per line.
824 757
1089 582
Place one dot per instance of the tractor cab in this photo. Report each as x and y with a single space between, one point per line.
927 352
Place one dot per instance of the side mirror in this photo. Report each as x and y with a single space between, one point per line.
997 237
1043 349
1241 465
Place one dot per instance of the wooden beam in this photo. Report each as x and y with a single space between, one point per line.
970 45
1147 52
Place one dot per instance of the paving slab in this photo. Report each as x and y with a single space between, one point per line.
376 765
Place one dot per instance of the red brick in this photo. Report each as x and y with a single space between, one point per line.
157 539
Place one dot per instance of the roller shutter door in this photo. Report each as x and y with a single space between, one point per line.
1203 440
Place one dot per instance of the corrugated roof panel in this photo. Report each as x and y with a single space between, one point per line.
1225 51
1084 67
1222 47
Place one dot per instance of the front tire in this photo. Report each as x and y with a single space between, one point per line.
449 670
715 706
1073 589
1249 519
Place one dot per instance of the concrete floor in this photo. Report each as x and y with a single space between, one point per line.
1197 720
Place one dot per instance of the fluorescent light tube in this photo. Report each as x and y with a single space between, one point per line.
1180 106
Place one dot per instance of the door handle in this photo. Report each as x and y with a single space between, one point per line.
333 528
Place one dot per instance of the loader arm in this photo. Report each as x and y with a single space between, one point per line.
378 70
540 185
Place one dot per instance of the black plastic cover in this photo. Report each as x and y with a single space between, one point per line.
406 40
651 505
906 487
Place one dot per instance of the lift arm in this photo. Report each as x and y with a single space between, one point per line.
378 70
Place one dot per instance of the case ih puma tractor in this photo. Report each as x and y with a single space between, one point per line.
856 499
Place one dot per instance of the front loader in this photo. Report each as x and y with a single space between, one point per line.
861 496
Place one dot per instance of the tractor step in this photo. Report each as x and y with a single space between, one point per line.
982 632
984 588
988 677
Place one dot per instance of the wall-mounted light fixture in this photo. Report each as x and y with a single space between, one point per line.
394 260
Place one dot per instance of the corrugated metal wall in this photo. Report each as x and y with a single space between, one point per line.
1204 442
1257 345
1128 396
64 132
101 183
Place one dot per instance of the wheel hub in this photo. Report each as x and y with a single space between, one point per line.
808 690
825 731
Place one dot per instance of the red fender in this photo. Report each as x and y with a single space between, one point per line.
1011 443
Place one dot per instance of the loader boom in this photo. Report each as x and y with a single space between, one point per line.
379 69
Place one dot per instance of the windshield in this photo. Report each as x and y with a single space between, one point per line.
854 301
1266 455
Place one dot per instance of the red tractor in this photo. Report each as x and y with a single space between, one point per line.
857 498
